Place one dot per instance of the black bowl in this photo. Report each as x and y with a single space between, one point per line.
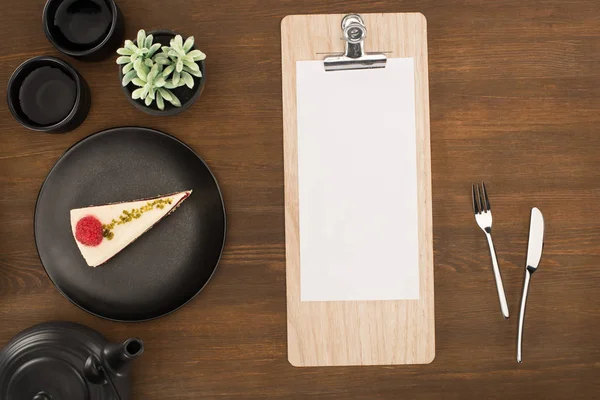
186 95
42 91
89 30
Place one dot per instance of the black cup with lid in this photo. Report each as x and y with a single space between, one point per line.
84 29
46 94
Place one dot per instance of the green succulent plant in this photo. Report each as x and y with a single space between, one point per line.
154 73
180 62
151 87
132 55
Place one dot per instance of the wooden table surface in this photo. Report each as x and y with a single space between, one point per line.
515 100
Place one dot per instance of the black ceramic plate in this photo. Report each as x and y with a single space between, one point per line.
168 265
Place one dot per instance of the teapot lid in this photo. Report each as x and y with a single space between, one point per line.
45 362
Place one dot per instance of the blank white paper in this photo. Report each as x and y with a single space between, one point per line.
357 181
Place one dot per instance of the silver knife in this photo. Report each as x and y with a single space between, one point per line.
534 254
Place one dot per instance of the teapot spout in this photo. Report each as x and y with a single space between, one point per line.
116 359
118 356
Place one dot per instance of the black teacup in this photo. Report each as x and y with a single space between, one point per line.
47 94
85 29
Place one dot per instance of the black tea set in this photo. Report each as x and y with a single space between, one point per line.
47 94
162 74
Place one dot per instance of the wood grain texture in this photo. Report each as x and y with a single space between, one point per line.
515 100
358 332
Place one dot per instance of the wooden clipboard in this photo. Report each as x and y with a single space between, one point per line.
358 332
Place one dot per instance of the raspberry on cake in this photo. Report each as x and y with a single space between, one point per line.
102 231
88 231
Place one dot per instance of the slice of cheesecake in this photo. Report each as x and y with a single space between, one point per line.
102 231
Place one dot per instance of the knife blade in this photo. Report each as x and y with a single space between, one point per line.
536 239
534 254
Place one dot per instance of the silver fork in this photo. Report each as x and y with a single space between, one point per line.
483 216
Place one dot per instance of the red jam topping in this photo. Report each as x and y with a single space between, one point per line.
88 231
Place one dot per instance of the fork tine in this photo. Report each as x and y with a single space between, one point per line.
480 199
475 200
488 207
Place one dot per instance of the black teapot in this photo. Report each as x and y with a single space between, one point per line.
66 361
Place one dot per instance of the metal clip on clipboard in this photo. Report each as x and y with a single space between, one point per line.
355 32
